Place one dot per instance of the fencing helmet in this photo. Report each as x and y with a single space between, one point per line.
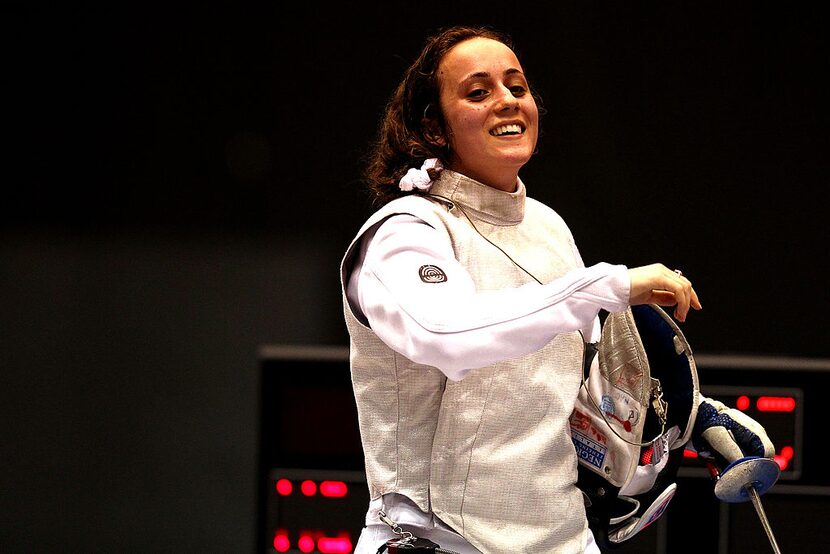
633 415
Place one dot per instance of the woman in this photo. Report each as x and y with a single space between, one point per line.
467 303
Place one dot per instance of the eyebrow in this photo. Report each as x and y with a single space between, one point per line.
484 74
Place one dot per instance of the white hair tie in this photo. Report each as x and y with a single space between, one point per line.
419 178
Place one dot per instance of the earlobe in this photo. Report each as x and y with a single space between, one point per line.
432 133
438 141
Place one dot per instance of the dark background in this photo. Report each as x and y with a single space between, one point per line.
180 183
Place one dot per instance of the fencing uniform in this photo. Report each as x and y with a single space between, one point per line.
465 368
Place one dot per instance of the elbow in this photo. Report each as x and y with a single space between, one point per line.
426 347
455 373
452 362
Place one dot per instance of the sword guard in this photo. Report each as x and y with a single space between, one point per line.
753 471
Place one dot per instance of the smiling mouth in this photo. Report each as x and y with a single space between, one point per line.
507 130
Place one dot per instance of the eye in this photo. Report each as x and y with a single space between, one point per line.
518 90
477 94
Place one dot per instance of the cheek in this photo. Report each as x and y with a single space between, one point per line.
467 124
532 111
535 115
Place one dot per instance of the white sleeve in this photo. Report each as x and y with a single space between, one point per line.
452 326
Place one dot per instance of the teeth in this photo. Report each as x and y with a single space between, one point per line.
504 129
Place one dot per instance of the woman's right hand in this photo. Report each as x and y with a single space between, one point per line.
657 284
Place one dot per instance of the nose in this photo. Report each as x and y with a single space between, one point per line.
507 101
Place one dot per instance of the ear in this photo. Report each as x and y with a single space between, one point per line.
433 132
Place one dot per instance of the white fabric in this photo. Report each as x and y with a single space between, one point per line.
650 515
404 512
456 328
487 450
646 475
451 325
419 178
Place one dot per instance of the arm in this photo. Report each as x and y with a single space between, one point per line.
451 325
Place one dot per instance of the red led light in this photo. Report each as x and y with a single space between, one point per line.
742 403
305 544
783 458
281 542
284 487
334 545
689 453
775 404
309 488
334 489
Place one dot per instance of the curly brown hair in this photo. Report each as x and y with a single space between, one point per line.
413 127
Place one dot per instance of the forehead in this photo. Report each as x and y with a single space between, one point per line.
477 55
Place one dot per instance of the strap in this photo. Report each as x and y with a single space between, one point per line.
407 543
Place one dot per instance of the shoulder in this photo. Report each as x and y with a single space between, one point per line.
414 204
419 209
417 206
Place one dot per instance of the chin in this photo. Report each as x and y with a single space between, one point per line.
517 158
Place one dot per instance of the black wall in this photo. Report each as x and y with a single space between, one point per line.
180 182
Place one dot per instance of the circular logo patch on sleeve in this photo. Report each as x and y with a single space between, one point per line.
432 274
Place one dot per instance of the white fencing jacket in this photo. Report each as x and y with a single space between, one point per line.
465 368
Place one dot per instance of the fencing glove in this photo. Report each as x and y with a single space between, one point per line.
727 435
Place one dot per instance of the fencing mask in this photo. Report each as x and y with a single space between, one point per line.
632 418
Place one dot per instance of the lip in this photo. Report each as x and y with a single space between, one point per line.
521 125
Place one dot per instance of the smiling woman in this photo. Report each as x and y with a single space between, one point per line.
491 117
414 127
467 303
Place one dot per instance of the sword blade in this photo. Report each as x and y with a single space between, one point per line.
759 508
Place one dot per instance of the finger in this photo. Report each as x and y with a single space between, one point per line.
662 298
689 295
696 301
681 287
755 428
722 441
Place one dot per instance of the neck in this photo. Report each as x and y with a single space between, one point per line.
508 184
505 180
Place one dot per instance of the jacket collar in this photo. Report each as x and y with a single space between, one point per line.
481 201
